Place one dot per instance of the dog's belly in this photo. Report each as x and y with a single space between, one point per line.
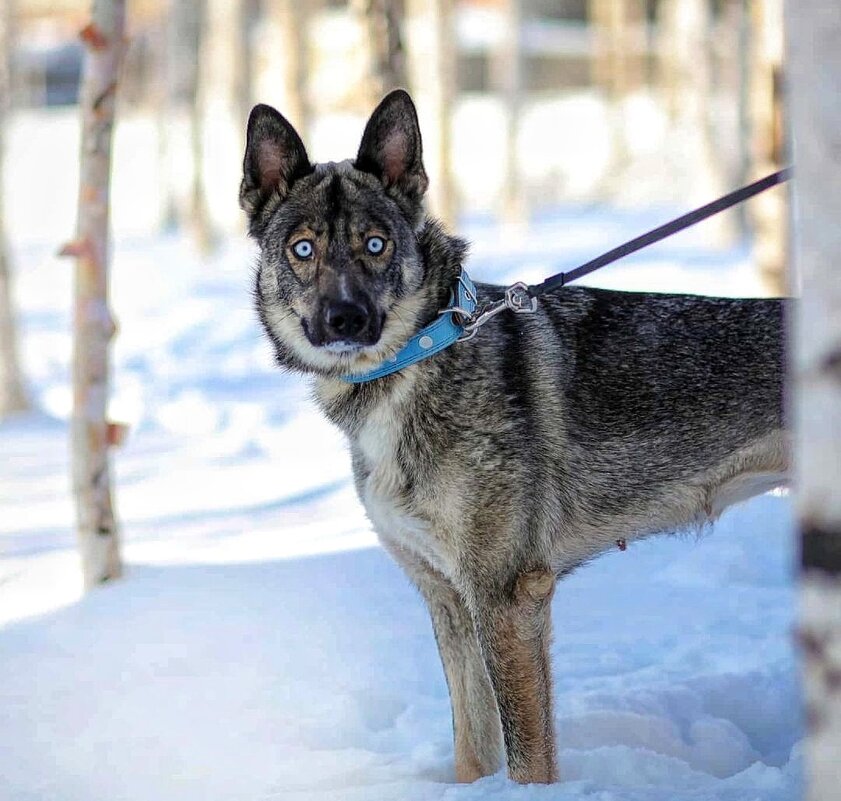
754 470
744 487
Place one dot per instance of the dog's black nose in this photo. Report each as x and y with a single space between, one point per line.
343 320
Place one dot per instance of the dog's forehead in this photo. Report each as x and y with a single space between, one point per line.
334 168
343 196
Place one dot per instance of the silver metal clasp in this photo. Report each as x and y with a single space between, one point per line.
517 299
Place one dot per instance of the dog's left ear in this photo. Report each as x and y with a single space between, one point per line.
391 147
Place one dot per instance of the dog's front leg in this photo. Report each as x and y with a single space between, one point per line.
514 628
476 730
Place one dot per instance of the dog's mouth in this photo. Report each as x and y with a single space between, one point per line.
343 346
345 355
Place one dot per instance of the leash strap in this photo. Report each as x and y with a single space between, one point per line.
661 232
461 321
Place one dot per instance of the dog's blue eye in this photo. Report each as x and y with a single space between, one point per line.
375 245
303 249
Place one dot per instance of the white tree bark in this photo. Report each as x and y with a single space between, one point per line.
210 69
433 77
686 78
383 21
769 214
814 63
285 55
618 63
93 325
509 80
178 117
12 394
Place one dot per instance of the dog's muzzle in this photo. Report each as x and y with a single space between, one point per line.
345 323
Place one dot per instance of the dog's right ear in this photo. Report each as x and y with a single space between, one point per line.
274 159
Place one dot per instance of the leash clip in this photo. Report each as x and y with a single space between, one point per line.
517 299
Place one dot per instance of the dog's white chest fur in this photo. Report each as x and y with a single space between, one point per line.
382 491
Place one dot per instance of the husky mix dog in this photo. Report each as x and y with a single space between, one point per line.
501 464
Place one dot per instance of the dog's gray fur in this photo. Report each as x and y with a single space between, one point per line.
507 461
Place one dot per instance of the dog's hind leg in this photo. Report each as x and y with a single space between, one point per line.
476 728
514 628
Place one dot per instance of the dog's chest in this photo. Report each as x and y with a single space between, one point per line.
387 491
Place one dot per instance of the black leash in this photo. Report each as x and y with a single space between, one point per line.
522 298
661 232
463 320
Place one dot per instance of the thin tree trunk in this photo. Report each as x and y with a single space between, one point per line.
444 91
199 101
768 214
200 220
286 60
383 21
93 325
510 81
814 70
166 117
433 77
733 43
686 78
12 394
618 66
728 113
182 23
243 78
224 72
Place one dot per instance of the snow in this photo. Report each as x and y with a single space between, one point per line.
261 645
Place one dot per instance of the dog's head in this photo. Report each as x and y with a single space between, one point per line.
340 281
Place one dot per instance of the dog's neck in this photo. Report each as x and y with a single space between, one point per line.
443 256
345 404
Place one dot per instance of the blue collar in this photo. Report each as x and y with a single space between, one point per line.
439 334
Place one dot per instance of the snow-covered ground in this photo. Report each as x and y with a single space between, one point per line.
261 646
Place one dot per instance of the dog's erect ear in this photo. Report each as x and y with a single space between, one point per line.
391 146
274 159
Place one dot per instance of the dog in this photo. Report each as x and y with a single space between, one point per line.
500 464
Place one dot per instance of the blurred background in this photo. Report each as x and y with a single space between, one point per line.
553 131
525 104
529 109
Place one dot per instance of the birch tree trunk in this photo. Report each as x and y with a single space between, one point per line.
92 324
769 213
814 64
383 21
686 79
284 52
509 80
178 116
433 78
12 394
201 95
224 73
618 65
